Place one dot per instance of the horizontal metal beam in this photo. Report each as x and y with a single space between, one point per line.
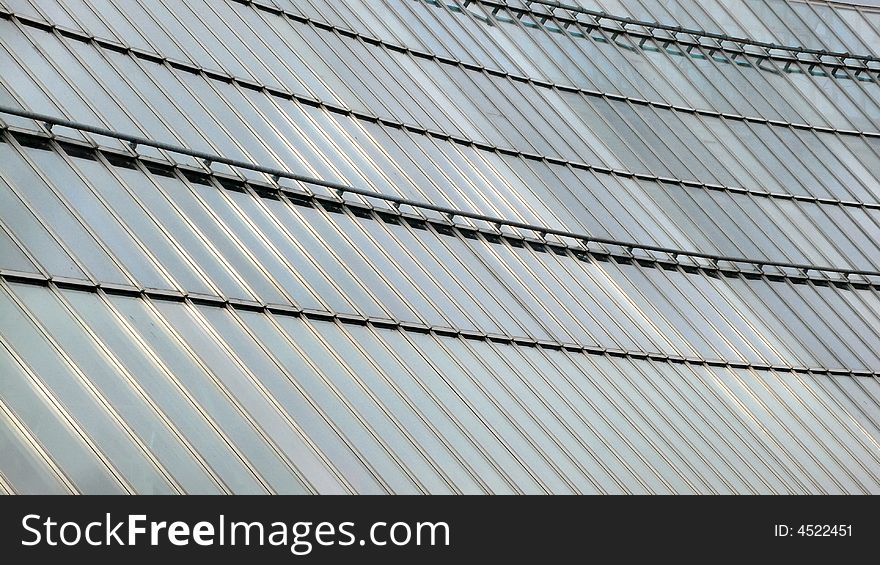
341 188
674 29
415 327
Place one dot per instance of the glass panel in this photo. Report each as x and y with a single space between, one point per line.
126 327
114 385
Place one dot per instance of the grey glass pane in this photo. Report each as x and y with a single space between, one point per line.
331 434
115 325
38 197
143 419
22 467
89 412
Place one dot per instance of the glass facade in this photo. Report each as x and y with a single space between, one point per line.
631 258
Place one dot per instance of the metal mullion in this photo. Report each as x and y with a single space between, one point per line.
655 312
46 226
686 193
522 377
794 312
233 139
272 217
794 18
280 36
613 299
819 461
193 356
38 267
825 235
486 129
18 426
136 92
526 305
659 289
157 224
413 407
343 264
381 248
468 154
509 121
570 292
612 105
319 453
417 379
536 297
662 51
733 197
197 38
369 80
721 331
5 488
103 17
450 271
384 410
47 92
351 13
720 405
832 417
752 300
208 328
430 19
856 105
293 382
723 293
197 101
782 449
316 149
844 235
89 185
735 68
424 268
816 159
818 298
196 231
519 371
89 390
834 397
478 41
616 428
500 407
857 302
872 93
333 390
130 380
586 421
673 436
415 99
417 204
696 420
242 22
221 224
227 101
477 414
343 128
87 228
634 132
152 43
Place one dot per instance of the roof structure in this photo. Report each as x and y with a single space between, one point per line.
439 246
